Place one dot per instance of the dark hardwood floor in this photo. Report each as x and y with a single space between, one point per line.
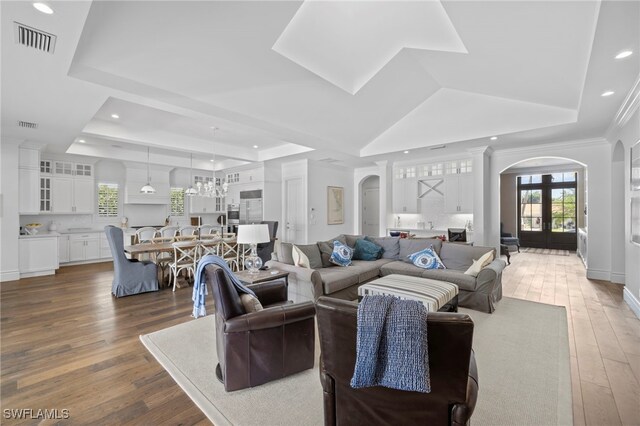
68 344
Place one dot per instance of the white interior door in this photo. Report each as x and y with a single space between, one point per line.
371 212
294 211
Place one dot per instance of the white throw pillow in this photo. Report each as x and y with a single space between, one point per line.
299 258
250 303
477 265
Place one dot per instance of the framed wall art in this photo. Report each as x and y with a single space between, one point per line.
335 205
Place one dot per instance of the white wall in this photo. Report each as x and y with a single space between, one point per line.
320 176
629 134
272 195
9 218
591 154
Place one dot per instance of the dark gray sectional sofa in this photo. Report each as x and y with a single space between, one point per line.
326 279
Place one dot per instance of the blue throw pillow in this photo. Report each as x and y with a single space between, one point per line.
342 254
366 250
427 259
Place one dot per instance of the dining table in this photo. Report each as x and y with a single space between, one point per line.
154 249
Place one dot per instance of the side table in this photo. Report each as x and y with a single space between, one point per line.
262 276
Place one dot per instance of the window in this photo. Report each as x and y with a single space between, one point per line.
107 200
177 202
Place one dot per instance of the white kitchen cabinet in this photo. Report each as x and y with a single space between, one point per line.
72 195
63 249
84 246
45 194
29 180
405 195
458 193
105 250
29 191
200 204
38 255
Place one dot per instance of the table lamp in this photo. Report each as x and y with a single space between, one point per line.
252 235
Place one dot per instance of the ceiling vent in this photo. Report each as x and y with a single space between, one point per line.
27 124
437 147
328 160
35 38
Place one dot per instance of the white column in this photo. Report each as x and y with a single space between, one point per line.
386 183
482 195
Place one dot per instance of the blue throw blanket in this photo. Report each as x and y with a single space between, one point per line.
200 283
392 349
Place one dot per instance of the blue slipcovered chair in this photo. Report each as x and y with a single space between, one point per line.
509 240
129 276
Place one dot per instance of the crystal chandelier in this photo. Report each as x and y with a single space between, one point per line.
216 187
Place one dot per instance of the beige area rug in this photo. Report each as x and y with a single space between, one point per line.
522 352
555 252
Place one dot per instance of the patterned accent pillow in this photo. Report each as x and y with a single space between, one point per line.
427 259
342 254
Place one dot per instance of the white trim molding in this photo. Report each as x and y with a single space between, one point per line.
632 301
618 277
9 275
598 274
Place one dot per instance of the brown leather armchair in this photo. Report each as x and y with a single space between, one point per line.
258 347
452 365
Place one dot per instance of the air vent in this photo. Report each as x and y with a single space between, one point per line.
27 124
438 147
35 38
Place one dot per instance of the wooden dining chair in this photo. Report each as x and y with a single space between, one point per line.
188 230
210 246
207 230
144 236
168 231
229 252
185 258
163 259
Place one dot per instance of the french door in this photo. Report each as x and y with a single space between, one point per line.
547 211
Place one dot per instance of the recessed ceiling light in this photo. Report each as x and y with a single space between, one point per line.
43 8
115 116
608 93
82 141
493 138
624 54
406 152
255 146
211 160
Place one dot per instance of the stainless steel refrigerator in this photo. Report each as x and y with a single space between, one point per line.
251 206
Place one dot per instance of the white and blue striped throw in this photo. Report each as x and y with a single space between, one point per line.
392 349
200 283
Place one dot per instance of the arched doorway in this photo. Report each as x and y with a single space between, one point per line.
370 205
543 202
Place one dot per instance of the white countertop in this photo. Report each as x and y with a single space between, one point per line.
435 231
80 230
42 234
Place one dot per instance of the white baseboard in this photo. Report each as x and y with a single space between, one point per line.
632 301
9 275
618 277
598 274
38 273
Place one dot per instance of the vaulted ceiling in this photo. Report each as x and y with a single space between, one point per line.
358 81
